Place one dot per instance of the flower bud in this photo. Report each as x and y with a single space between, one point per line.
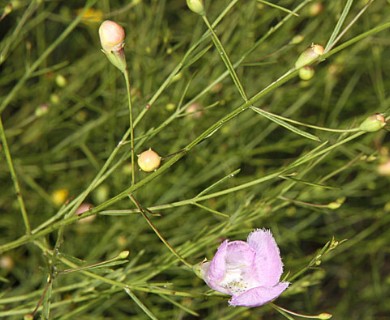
196 6
334 243
316 8
194 111
112 39
42 110
6 263
112 36
124 254
309 55
336 204
373 123
7 10
324 316
149 160
84 207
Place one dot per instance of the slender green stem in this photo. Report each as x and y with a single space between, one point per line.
103 264
225 59
14 178
356 39
326 150
210 210
150 223
285 314
128 90
140 304
318 256
345 30
46 290
319 316
179 305
338 26
277 7
112 282
306 124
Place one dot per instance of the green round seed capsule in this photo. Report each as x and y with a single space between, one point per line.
306 73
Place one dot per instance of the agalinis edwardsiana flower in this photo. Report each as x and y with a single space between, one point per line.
248 271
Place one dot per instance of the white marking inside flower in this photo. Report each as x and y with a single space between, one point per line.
234 280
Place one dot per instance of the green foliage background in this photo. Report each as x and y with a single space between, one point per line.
224 173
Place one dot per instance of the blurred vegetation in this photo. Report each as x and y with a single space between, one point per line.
225 172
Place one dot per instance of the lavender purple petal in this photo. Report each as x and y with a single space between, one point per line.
269 265
248 271
258 296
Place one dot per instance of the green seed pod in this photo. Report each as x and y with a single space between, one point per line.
124 254
373 123
61 81
306 73
196 6
324 316
297 39
55 98
309 55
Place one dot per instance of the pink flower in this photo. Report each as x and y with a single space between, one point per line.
248 271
